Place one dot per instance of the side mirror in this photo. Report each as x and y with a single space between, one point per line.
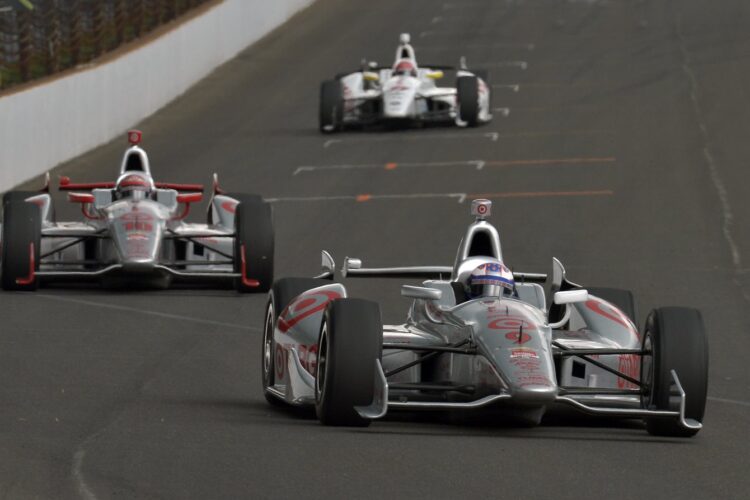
420 292
435 75
103 198
350 263
570 297
370 76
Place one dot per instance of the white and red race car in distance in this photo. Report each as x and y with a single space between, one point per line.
133 233
404 93
499 350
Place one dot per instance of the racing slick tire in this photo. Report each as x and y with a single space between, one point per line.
22 230
253 244
676 338
282 293
467 91
331 106
12 196
350 341
623 299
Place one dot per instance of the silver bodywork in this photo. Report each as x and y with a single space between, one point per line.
378 94
504 352
137 240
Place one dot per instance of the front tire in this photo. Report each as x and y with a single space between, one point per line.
283 292
331 111
676 339
253 244
21 243
467 93
350 341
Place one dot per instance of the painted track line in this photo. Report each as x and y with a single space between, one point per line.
476 164
491 136
460 197
729 401
158 314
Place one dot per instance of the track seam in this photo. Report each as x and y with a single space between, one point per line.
713 167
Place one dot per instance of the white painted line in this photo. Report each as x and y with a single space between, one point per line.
493 136
712 165
436 19
729 401
515 87
523 65
158 314
413 137
83 488
503 111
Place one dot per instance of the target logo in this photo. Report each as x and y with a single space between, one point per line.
304 306
134 137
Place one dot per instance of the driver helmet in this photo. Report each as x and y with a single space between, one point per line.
491 279
134 186
405 68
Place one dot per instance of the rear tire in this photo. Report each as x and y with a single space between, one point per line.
22 230
467 92
283 292
622 299
677 340
351 340
12 196
331 110
253 244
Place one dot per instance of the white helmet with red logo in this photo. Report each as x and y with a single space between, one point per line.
134 185
491 279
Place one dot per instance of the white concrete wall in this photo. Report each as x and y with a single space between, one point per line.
54 122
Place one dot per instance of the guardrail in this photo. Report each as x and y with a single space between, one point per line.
43 37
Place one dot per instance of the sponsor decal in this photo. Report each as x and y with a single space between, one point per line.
519 337
630 365
523 353
610 313
304 306
526 364
529 380
308 357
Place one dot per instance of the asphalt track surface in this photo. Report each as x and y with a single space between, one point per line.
624 154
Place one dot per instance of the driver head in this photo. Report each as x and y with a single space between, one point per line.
491 279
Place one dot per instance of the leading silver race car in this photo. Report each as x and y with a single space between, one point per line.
134 232
469 344
404 92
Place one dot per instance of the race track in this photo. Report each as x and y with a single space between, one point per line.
619 145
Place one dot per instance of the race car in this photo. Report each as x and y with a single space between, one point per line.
133 233
479 337
404 92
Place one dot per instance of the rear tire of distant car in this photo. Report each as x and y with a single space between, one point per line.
253 244
467 92
283 292
350 341
622 299
12 196
22 229
331 106
676 339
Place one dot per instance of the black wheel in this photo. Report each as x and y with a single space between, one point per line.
351 339
253 244
331 106
467 91
622 299
676 340
12 196
22 229
282 293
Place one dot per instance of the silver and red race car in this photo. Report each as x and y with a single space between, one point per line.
501 350
402 93
133 232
